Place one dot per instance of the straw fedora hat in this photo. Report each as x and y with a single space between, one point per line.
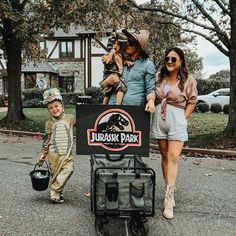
140 36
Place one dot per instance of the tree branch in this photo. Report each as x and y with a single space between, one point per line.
200 7
205 13
224 51
204 26
22 5
223 8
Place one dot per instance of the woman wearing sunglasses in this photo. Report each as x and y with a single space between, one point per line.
138 73
176 96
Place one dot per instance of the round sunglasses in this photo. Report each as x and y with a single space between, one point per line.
172 59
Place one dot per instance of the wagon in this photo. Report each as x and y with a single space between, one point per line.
122 186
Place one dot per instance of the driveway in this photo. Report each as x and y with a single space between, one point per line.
205 197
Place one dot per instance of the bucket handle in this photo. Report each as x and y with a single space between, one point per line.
37 164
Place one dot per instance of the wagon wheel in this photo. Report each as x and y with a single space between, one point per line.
101 226
138 226
92 200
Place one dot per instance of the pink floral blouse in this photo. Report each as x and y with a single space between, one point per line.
175 96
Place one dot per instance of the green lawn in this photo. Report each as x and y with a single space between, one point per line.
205 129
37 118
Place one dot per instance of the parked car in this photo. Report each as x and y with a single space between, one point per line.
220 96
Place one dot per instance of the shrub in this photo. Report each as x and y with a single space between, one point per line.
69 98
2 99
202 107
33 103
226 109
95 93
216 108
32 93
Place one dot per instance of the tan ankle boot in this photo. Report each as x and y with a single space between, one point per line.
174 205
169 202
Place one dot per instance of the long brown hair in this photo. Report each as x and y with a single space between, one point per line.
182 73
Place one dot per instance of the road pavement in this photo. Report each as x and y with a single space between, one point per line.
205 197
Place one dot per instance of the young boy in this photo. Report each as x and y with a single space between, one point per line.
58 143
113 68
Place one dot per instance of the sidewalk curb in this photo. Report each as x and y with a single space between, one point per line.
21 133
215 152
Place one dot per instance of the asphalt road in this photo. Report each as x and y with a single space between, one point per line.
205 197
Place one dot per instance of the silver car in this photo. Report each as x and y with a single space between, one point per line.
220 96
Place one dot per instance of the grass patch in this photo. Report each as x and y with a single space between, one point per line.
37 118
205 126
206 131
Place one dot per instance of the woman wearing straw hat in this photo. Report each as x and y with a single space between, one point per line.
139 76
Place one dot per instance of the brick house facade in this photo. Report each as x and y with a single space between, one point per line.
73 62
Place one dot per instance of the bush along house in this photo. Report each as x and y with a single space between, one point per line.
73 62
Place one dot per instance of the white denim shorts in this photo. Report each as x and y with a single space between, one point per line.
174 127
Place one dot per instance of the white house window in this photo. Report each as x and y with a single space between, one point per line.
43 44
66 49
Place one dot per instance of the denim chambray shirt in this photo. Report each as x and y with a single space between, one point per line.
140 80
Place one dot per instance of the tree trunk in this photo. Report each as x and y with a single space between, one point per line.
230 130
15 110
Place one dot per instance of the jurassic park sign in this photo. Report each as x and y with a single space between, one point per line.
107 129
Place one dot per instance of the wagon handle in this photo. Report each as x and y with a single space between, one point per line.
118 158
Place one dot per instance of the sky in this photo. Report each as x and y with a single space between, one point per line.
213 59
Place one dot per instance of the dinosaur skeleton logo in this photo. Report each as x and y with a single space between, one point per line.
114 130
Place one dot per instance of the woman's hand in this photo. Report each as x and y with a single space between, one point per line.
189 110
129 63
150 106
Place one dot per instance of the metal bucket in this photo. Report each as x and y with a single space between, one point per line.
40 178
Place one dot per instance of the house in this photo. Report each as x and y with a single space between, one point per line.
73 62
